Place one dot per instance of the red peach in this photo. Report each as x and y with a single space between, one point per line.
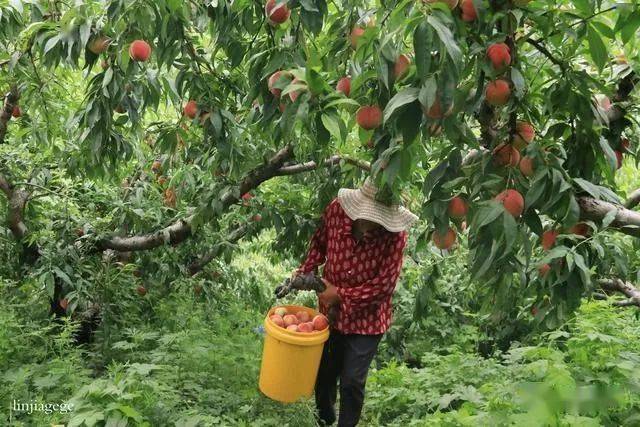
512 201
320 322
506 155
355 35
290 319
525 133
190 109
303 316
369 117
469 12
344 86
544 269
498 92
444 241
500 55
277 13
139 50
401 66
526 166
457 208
549 239
305 327
292 328
277 319
580 229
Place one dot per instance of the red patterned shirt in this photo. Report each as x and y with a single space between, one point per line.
365 271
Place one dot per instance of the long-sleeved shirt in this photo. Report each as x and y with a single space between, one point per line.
365 272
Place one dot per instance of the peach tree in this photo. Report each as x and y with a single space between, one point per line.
503 122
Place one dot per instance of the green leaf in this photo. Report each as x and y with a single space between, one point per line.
422 44
609 218
428 92
447 39
610 155
409 122
532 220
330 122
404 97
628 31
597 48
487 214
51 43
510 231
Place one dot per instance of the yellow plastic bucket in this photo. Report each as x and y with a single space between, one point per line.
290 360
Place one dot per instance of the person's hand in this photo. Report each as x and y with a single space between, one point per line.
330 295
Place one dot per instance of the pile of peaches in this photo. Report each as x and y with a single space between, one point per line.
300 321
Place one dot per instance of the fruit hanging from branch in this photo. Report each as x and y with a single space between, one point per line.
355 35
527 166
498 92
369 117
277 12
548 239
401 66
506 155
99 44
344 86
457 207
469 13
512 201
445 240
525 133
500 56
139 50
190 109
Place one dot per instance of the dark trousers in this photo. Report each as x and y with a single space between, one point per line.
346 357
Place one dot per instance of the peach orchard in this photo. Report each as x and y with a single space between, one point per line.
133 131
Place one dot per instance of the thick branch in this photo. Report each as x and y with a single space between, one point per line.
331 161
633 200
626 221
237 234
10 101
181 229
627 289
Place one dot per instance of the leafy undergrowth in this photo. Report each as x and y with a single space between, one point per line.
195 361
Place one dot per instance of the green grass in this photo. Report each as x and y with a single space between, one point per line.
195 361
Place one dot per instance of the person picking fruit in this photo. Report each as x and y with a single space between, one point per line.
360 242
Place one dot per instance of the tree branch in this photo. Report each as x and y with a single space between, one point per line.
237 234
633 200
181 229
626 288
10 101
331 161
543 50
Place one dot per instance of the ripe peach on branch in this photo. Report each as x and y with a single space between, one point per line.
139 50
512 201
444 241
369 117
498 92
500 56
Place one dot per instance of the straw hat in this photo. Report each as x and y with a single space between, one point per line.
362 204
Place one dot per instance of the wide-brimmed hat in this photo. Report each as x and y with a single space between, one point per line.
361 203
